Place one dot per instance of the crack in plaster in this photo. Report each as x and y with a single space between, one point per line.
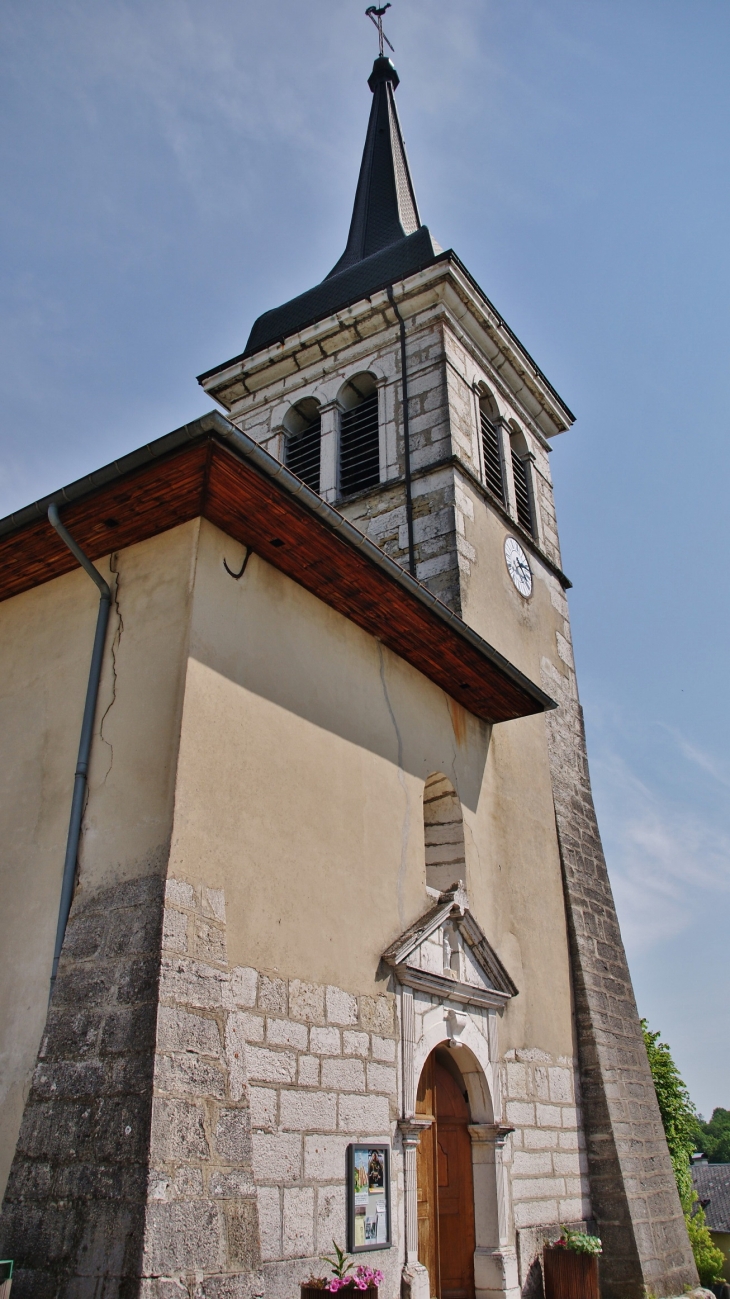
406 828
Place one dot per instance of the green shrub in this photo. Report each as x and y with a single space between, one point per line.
709 1259
681 1128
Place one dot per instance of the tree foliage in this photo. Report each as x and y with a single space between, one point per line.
713 1138
681 1126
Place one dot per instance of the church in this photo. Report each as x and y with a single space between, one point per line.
309 937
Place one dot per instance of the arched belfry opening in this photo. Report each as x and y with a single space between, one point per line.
445 1181
491 449
302 447
359 435
520 454
443 830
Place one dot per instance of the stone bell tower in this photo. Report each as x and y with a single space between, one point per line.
396 391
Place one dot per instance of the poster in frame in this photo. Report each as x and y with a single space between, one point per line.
368 1196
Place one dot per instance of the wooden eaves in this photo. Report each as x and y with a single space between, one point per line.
210 468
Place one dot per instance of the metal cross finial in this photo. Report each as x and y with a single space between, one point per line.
376 16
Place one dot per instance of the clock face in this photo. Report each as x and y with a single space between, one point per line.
517 566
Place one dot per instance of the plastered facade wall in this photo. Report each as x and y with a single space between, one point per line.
328 741
289 809
313 820
260 1084
46 636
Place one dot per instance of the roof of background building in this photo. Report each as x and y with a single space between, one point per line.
712 1184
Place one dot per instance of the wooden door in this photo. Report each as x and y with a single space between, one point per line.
455 1188
445 1184
428 1243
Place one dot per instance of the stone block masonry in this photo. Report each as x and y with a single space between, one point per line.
75 1205
547 1158
188 1123
201 1231
633 1192
444 371
187 1126
260 1084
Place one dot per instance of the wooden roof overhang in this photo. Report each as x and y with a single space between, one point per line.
210 468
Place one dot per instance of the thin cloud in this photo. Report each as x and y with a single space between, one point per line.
705 761
666 862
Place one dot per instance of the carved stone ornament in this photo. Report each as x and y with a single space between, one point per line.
447 955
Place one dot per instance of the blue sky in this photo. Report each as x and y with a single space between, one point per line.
171 169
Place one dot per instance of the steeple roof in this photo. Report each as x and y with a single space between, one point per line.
386 240
385 208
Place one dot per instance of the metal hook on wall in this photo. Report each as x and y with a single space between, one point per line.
237 576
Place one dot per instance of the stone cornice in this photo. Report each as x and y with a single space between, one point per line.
447 282
437 985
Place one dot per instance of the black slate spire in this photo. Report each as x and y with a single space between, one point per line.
386 241
385 202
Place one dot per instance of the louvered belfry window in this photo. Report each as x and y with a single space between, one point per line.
360 446
303 453
492 458
522 491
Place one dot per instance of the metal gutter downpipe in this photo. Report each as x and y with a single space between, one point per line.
406 435
87 727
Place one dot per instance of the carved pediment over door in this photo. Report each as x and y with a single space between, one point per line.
447 955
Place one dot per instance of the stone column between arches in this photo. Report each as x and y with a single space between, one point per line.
329 454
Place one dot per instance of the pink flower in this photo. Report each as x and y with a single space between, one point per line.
367 1276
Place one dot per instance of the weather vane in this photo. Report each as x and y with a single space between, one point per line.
376 16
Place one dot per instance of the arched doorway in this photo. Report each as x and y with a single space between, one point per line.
446 1238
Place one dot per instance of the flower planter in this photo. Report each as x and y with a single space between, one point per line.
568 1275
351 1291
